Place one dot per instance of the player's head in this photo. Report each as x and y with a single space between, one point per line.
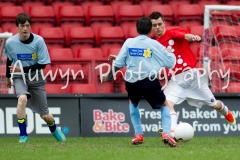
144 25
23 23
158 24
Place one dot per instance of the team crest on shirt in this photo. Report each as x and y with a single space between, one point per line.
34 56
140 52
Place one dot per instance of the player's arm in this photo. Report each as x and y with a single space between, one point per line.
8 75
8 63
184 34
112 57
109 77
119 62
43 55
191 37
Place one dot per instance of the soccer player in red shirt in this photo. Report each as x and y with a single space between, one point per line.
181 86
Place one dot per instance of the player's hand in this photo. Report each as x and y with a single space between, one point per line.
17 69
112 57
104 79
8 83
169 50
196 38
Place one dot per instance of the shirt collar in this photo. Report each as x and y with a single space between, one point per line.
142 36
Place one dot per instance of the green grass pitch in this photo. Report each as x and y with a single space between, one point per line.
200 148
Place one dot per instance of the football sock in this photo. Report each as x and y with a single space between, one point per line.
223 110
52 127
174 119
135 118
166 120
22 127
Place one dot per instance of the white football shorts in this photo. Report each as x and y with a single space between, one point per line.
190 86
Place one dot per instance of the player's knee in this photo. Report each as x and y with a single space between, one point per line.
130 101
48 118
45 117
22 99
217 106
170 104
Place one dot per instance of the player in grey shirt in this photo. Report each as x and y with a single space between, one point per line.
27 53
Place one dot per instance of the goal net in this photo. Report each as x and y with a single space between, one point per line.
3 87
221 47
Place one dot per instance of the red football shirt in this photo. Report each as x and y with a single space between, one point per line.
174 39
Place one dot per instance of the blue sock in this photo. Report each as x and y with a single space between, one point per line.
135 118
166 120
22 127
52 127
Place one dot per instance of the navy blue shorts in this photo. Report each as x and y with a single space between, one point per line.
150 90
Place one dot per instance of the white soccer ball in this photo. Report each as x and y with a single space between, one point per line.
184 132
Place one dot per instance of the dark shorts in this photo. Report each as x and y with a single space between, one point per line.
150 90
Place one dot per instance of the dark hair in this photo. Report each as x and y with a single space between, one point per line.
144 25
23 18
156 15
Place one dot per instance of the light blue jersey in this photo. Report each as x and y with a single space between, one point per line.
28 54
143 54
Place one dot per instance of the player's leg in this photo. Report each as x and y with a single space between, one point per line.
22 95
156 98
135 117
21 116
136 122
56 132
167 138
223 109
175 95
174 117
134 94
48 118
39 105
209 99
203 95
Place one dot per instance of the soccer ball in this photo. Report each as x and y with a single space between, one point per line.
184 132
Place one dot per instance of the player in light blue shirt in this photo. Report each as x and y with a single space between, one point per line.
27 52
144 57
145 53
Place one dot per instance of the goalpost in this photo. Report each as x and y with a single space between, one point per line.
3 37
221 47
3 88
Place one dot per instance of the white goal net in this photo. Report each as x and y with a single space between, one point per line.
3 87
221 47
